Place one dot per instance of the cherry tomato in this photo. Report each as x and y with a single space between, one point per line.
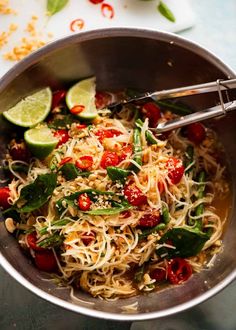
107 10
65 160
126 152
175 169
81 126
102 99
95 2
107 133
62 135
19 151
178 270
32 242
158 274
151 111
84 202
4 195
149 220
77 109
45 260
87 238
58 97
109 158
196 133
77 24
134 195
84 162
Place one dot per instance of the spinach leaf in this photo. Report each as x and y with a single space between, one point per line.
37 193
54 6
69 171
165 11
187 242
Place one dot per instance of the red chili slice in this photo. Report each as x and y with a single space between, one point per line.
149 220
81 126
62 135
196 133
175 169
109 158
45 260
134 195
178 270
87 238
151 111
107 133
77 25
95 2
102 99
84 202
84 162
107 10
158 274
126 152
161 187
58 97
65 160
4 195
32 242
77 109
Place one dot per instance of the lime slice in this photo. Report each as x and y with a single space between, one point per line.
83 94
31 110
40 141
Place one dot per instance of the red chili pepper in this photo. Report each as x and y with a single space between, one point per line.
95 2
4 195
158 274
58 97
109 158
134 195
19 151
161 187
196 133
81 126
84 162
62 135
84 202
125 214
77 109
102 99
45 260
149 220
126 152
87 238
65 160
107 10
151 111
178 270
77 25
32 242
175 169
107 133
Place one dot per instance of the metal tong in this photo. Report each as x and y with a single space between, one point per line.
219 110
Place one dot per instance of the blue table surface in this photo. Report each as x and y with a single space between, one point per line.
215 29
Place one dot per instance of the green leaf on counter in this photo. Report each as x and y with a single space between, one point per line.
166 12
54 6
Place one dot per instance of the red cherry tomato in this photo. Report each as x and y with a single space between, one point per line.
151 111
32 242
102 99
126 152
19 151
62 135
196 133
175 169
77 109
4 195
87 238
84 202
134 195
107 133
58 97
45 260
158 274
178 270
109 158
149 220
84 162
65 160
77 24
95 2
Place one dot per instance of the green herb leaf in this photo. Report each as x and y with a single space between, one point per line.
165 11
115 209
117 174
138 276
55 240
56 223
69 171
54 6
147 232
17 168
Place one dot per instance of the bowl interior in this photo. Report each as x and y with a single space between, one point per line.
119 59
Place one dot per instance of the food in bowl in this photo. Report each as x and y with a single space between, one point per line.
103 203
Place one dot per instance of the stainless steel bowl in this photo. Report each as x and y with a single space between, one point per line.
122 58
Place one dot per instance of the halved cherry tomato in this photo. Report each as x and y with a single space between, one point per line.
32 242
126 152
107 133
102 99
81 126
178 270
77 24
19 151
149 220
175 169
58 97
87 238
95 2
4 195
134 195
65 160
196 133
62 135
84 202
158 274
107 10
109 158
45 260
151 111
84 162
77 109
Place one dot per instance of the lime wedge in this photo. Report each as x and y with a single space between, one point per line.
83 94
40 141
31 110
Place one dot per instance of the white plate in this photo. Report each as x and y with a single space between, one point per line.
127 13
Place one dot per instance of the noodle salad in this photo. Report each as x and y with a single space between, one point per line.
113 209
